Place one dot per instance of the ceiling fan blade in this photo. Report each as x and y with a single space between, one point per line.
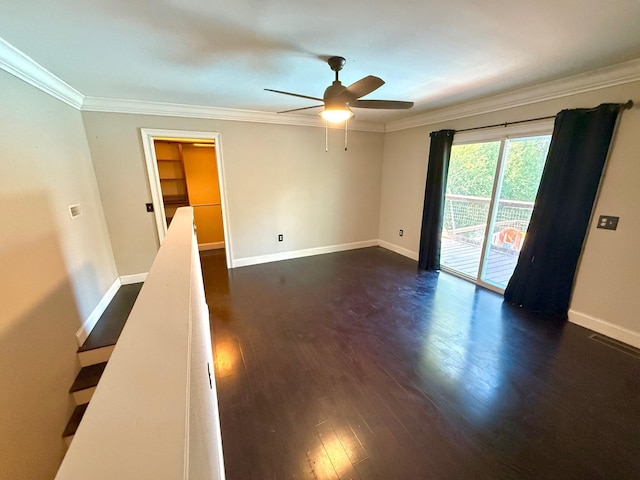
362 87
384 104
294 95
303 108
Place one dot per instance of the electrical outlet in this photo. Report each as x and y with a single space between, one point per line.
608 222
280 237
401 233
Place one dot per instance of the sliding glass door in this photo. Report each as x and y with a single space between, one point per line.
491 187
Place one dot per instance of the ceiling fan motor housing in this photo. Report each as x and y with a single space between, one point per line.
332 94
336 63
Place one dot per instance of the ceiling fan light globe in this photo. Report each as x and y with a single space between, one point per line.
336 115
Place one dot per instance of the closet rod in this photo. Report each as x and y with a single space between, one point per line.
624 106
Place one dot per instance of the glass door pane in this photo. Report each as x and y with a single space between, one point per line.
470 183
520 176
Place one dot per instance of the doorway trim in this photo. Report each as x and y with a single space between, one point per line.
148 137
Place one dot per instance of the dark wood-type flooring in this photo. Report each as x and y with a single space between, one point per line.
108 328
355 365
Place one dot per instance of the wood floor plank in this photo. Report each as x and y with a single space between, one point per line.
357 365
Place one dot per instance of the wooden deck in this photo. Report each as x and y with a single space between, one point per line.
465 258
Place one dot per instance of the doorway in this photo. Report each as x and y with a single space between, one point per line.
491 188
185 168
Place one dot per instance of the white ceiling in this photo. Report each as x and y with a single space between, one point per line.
223 54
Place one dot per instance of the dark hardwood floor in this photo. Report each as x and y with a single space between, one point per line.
107 331
355 365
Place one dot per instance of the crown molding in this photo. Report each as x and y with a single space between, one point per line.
611 76
25 68
137 107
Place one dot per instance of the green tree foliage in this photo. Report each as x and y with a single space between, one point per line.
525 161
472 168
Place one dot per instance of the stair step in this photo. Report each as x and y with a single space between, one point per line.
97 355
112 321
88 377
96 350
74 421
86 381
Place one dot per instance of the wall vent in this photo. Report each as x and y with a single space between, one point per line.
621 347
75 211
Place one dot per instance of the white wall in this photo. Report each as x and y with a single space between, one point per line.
54 272
604 297
279 179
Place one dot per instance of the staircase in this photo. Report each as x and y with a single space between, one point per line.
96 350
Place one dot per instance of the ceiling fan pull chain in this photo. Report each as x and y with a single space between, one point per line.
326 136
346 129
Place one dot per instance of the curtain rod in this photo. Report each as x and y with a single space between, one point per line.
624 106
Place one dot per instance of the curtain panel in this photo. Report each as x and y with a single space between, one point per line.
544 275
433 212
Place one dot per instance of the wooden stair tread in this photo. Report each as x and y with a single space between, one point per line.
108 328
88 377
74 421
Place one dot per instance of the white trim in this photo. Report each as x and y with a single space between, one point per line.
25 68
135 278
154 181
148 135
210 246
400 250
226 222
308 252
84 331
22 66
617 332
138 107
606 77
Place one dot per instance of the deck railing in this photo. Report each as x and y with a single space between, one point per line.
465 217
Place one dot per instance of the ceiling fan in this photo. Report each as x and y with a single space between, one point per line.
338 99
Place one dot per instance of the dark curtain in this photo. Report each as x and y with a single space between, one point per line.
433 212
544 275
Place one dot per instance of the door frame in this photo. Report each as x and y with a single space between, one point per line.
149 135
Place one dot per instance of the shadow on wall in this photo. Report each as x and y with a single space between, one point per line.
38 321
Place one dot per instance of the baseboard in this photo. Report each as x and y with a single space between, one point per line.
94 316
210 246
135 278
277 257
605 328
400 250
